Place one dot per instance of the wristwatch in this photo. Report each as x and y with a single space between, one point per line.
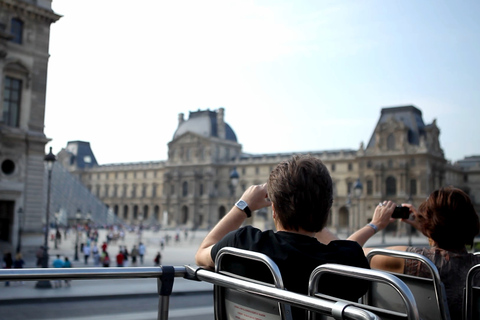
242 205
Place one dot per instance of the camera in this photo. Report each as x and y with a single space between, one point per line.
401 213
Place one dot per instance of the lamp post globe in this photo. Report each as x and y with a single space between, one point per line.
234 178
49 161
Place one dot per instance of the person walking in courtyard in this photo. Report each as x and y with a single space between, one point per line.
120 259
105 259
141 251
86 252
67 264
158 259
7 263
134 255
57 263
39 256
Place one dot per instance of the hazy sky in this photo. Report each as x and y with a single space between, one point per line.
291 75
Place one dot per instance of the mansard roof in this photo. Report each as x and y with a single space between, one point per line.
204 123
408 115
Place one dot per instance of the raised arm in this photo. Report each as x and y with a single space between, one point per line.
256 198
381 218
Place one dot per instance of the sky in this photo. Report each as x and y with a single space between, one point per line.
293 76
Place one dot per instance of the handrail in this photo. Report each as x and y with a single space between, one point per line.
337 309
370 275
469 291
85 273
430 265
252 255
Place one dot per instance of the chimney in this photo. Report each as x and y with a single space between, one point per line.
221 123
180 118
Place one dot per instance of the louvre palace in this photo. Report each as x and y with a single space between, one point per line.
206 172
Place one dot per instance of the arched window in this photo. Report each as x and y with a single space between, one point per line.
184 215
145 212
391 142
125 212
135 212
115 210
185 188
391 186
221 212
156 213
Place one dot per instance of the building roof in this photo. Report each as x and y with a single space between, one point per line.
204 123
82 154
410 116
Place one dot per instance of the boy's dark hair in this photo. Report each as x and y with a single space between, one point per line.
449 218
301 192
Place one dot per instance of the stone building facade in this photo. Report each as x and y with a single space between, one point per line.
24 42
403 161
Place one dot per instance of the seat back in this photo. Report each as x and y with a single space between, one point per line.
251 266
405 305
471 304
429 293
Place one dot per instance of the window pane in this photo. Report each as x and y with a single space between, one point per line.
16 30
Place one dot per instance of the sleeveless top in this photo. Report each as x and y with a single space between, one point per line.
452 267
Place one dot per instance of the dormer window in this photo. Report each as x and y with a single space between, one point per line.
391 142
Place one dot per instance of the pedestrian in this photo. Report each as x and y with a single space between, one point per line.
125 256
18 263
67 264
57 263
104 246
86 253
158 259
105 259
7 263
58 236
120 259
39 256
162 243
141 251
134 254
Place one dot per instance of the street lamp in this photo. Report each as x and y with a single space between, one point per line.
349 205
20 229
357 191
140 229
234 177
49 160
409 227
78 215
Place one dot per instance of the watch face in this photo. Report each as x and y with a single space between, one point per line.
241 204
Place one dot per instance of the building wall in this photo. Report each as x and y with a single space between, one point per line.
22 140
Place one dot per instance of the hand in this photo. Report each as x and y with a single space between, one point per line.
383 214
256 197
414 219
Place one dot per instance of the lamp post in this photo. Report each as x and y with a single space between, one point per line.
78 215
349 205
234 177
140 229
20 229
49 160
409 227
357 191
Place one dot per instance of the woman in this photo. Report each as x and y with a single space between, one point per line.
449 221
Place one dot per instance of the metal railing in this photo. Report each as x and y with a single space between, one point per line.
165 278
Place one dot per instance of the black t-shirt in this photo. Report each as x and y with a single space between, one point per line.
298 255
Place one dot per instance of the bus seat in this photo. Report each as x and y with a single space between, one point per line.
401 305
471 303
251 266
429 293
